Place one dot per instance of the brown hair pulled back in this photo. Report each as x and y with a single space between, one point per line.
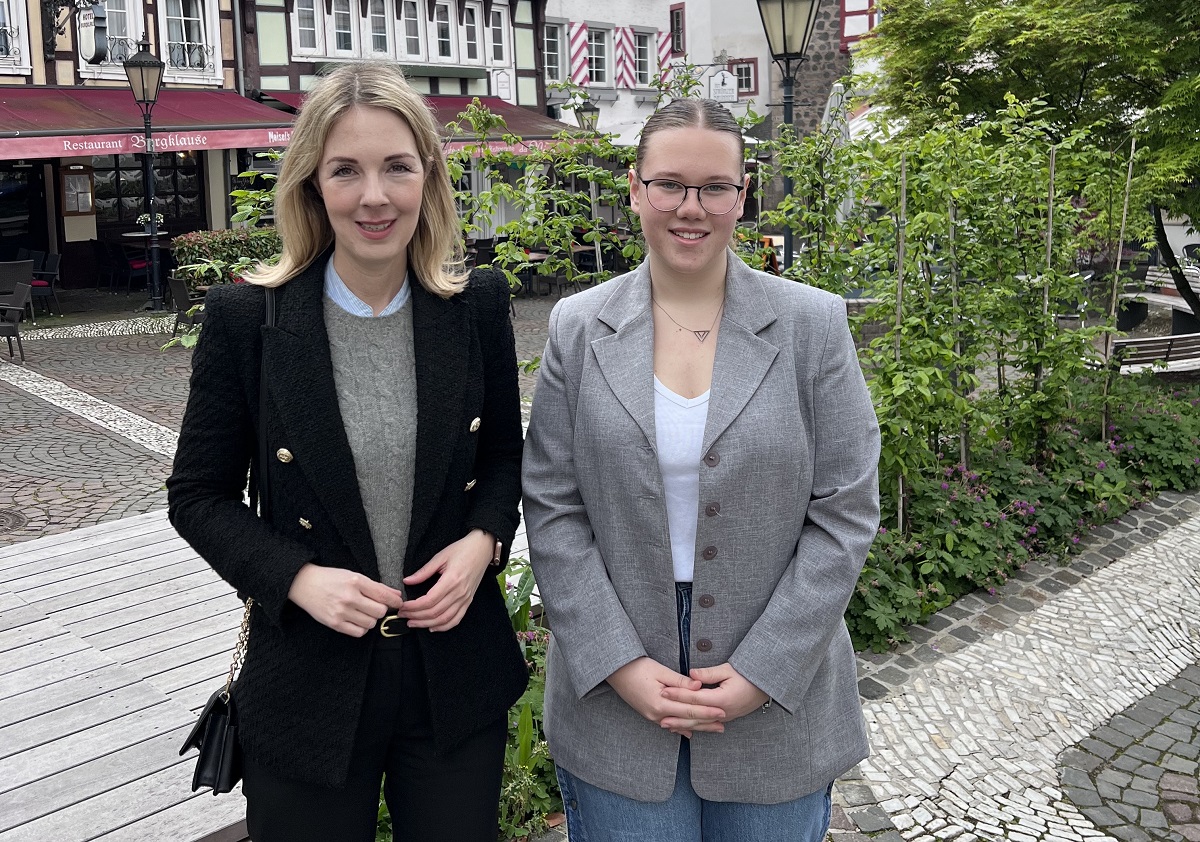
688 113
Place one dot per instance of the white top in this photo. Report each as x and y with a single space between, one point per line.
679 434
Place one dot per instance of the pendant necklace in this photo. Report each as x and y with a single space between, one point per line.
700 335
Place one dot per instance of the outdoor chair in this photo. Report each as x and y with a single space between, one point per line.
183 300
38 257
45 283
17 272
102 260
126 267
12 309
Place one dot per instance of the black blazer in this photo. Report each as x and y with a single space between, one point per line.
301 689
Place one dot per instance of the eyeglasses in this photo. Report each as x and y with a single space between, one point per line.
666 195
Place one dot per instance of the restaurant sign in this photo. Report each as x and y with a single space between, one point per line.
64 146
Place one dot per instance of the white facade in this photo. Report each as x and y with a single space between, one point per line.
621 46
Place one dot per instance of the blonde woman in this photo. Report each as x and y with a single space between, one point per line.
380 648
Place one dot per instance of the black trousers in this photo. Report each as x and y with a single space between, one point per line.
429 795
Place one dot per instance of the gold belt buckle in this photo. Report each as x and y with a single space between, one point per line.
383 626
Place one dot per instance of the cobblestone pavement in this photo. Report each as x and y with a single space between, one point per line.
1064 706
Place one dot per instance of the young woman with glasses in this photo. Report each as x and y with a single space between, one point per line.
700 495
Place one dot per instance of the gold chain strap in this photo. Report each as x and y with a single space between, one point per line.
239 651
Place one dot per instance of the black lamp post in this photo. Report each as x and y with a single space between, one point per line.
145 74
587 114
789 25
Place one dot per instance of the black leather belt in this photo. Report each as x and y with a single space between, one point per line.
393 625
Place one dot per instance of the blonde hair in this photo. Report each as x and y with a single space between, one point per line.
435 253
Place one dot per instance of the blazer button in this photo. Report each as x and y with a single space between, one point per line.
709 553
474 425
706 601
283 455
712 509
712 459
470 485
306 523
704 644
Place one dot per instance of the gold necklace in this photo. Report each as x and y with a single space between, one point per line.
700 335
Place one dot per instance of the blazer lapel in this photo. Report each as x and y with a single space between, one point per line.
299 374
626 356
743 357
441 339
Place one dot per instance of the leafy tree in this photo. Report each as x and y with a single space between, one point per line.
1118 68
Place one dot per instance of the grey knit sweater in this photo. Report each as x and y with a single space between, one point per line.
375 374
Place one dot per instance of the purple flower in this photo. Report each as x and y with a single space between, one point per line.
883 530
945 486
1101 465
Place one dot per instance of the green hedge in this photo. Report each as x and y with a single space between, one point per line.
228 253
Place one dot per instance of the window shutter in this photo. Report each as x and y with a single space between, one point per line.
625 57
664 57
579 53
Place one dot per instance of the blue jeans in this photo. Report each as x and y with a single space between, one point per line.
597 815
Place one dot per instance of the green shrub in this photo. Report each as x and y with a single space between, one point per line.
220 257
971 528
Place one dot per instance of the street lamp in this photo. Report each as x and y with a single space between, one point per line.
789 25
145 73
587 114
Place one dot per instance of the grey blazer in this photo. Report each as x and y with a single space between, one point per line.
788 508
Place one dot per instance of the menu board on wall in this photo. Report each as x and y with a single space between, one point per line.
77 191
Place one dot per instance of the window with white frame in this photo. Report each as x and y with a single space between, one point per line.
598 56
643 57
496 24
746 73
187 43
122 37
471 32
306 25
552 52
410 20
343 27
7 33
442 33
377 17
14 38
678 42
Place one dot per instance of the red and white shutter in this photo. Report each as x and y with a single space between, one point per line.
626 78
579 53
664 57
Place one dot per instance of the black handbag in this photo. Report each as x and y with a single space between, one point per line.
215 734
219 765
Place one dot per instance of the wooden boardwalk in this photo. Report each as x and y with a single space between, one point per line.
111 639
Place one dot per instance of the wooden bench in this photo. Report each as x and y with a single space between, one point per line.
1179 353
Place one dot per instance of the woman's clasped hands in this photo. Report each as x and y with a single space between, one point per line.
702 701
352 604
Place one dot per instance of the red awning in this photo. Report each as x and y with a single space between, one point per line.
536 130
62 122
523 122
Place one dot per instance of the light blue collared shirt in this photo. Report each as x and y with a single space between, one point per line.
341 295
